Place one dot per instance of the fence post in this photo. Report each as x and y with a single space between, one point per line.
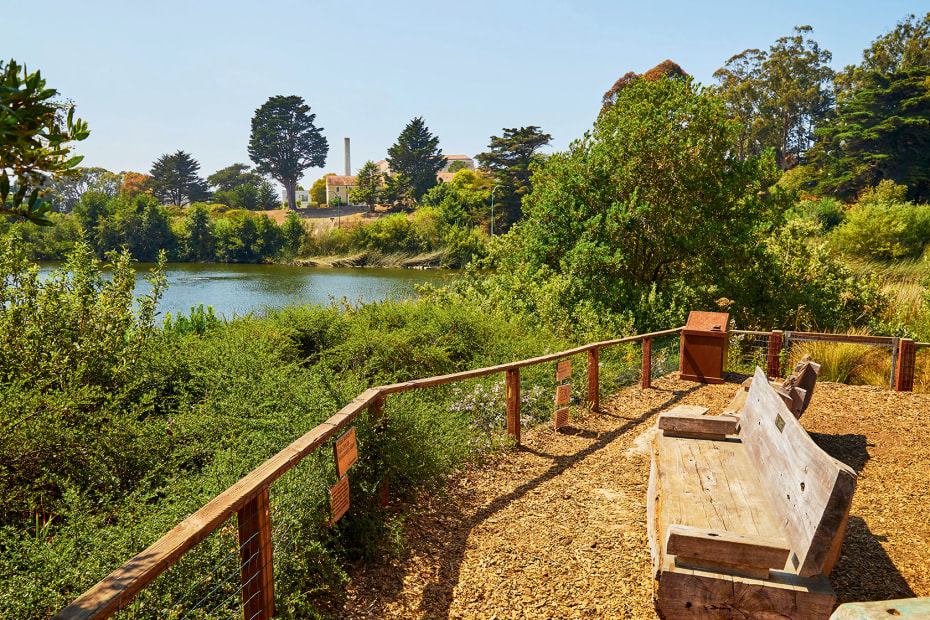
255 552
774 354
907 356
646 379
513 404
594 389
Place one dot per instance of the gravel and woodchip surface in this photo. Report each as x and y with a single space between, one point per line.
556 529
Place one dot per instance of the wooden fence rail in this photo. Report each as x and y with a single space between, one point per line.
247 499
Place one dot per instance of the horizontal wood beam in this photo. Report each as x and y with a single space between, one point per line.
883 340
490 370
727 547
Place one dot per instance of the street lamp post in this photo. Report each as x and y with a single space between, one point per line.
492 208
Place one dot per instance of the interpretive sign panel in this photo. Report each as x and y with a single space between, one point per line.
563 394
563 370
561 418
346 452
339 499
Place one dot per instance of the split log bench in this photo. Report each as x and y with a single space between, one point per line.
796 390
745 526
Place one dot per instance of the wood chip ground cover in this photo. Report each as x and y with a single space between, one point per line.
556 529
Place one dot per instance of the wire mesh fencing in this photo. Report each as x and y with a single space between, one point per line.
747 350
854 363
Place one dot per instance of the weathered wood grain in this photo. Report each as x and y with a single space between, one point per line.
727 547
809 491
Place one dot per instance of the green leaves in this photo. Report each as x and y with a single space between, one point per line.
34 137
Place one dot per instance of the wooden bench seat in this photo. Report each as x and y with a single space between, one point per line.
745 526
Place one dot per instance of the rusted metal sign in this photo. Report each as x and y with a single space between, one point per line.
561 418
339 499
346 452
563 394
563 370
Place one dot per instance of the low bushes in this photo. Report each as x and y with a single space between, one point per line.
114 430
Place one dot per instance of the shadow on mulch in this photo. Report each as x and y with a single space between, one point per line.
864 571
438 594
850 449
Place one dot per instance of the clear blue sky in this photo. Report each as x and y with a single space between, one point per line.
151 78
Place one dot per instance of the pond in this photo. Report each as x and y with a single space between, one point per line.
236 290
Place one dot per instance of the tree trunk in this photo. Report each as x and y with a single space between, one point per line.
290 186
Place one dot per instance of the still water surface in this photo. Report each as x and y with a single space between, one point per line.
236 290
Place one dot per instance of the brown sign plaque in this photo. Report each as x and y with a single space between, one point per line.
563 394
563 370
561 418
339 499
346 452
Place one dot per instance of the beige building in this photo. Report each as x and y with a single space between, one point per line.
339 186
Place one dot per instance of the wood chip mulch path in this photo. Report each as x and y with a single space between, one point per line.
556 529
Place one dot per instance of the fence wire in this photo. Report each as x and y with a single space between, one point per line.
747 351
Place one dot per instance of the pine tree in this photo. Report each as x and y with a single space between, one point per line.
175 179
417 156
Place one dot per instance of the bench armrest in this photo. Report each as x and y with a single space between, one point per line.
727 547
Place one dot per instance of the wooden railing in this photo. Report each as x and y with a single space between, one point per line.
248 498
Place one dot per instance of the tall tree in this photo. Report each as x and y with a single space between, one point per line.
905 47
417 156
881 131
367 185
510 160
64 193
779 95
175 179
634 210
285 142
666 68
35 137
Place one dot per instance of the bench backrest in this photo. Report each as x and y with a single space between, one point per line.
810 491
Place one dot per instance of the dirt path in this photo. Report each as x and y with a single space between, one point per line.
556 529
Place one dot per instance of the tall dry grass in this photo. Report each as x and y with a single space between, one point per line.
859 364
846 362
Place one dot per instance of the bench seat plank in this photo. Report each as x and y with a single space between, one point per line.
711 484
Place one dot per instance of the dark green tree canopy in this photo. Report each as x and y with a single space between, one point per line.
175 179
881 131
905 47
510 160
417 156
233 176
35 132
285 142
652 197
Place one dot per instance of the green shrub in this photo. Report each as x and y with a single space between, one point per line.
828 213
884 231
